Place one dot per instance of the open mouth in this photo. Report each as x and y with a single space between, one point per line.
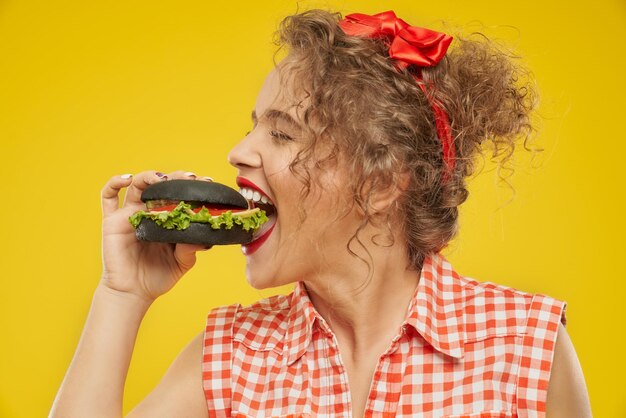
258 199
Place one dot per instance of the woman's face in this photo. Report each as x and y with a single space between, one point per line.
288 249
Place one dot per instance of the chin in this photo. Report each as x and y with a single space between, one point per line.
260 282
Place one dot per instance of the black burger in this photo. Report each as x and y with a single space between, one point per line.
196 212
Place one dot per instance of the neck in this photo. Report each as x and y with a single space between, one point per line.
365 314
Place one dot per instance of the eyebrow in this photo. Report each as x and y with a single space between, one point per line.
278 115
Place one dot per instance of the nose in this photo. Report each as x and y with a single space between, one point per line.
244 154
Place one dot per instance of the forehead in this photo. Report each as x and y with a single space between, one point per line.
270 94
278 93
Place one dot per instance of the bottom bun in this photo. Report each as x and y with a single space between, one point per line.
196 233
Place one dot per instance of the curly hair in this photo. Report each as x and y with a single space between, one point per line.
361 107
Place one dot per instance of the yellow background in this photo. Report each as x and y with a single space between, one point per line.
90 89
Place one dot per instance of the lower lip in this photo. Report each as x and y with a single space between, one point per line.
251 248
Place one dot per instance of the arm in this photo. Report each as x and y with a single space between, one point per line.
94 383
134 274
102 359
567 392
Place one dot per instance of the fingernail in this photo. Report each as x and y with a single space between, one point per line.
207 178
160 174
190 174
126 176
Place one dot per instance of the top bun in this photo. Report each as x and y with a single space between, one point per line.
194 191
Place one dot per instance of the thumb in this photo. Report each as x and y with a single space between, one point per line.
185 254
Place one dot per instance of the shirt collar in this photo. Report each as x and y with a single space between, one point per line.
302 322
436 309
435 312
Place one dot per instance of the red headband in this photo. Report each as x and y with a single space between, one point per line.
409 45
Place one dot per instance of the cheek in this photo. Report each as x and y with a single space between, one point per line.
330 222
330 206
327 209
277 159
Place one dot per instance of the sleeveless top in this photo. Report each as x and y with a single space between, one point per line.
465 349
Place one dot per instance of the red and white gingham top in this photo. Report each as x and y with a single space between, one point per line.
465 349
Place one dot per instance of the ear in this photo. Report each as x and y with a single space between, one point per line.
381 200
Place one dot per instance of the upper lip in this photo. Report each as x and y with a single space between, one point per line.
244 182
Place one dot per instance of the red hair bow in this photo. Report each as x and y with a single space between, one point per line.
409 45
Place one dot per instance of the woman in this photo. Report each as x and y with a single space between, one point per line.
362 138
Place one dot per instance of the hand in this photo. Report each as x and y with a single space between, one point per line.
143 269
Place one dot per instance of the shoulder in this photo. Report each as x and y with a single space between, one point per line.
567 392
260 326
491 309
529 324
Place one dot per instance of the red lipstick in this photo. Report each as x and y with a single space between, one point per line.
249 249
244 182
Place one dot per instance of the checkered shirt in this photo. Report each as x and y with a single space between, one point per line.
465 349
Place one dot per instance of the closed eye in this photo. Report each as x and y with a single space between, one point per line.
280 135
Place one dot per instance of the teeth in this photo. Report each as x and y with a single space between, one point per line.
254 195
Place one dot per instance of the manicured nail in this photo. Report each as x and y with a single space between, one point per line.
190 174
126 176
160 174
207 178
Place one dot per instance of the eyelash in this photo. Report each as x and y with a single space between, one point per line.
280 135
276 135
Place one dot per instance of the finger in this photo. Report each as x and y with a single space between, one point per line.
139 184
110 193
146 178
189 175
185 254
180 174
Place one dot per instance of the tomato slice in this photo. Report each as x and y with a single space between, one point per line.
213 210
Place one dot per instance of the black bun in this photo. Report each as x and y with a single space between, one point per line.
196 233
194 191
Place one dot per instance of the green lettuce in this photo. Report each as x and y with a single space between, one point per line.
181 217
